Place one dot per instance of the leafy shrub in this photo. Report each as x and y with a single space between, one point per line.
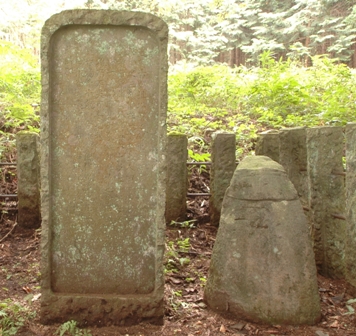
19 93
248 100
203 100
71 328
13 316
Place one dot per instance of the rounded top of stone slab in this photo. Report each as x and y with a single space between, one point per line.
260 178
103 17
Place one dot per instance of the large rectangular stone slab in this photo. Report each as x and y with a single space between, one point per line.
103 166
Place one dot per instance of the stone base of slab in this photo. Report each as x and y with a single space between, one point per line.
101 310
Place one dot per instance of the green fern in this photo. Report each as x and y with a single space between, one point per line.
71 328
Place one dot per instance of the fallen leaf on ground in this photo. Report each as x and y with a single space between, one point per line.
222 329
335 324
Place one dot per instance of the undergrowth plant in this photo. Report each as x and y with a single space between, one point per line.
19 93
175 256
273 95
70 328
13 316
204 100
190 224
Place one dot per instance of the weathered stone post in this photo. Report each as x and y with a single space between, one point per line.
28 179
268 144
103 167
262 267
177 177
293 158
223 164
327 198
350 243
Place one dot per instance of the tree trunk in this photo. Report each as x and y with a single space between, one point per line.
232 60
353 57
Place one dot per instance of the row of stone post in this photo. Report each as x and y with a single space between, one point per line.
314 160
223 164
312 157
222 169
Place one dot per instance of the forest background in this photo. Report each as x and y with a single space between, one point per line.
236 66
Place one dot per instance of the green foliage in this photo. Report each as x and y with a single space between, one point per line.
71 328
201 30
186 224
19 85
13 316
183 245
19 93
248 100
174 258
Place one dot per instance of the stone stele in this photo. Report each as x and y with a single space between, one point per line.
262 267
104 102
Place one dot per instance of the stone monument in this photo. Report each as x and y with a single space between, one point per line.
262 267
103 136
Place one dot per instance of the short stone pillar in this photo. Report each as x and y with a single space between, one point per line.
28 180
350 243
293 158
268 144
177 177
223 164
103 167
262 267
327 198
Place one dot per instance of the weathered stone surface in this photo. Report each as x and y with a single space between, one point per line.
268 144
262 267
177 177
350 243
103 110
223 157
28 179
327 198
293 158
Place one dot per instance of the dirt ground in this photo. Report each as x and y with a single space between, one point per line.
188 251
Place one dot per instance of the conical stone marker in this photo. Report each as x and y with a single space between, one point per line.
263 267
